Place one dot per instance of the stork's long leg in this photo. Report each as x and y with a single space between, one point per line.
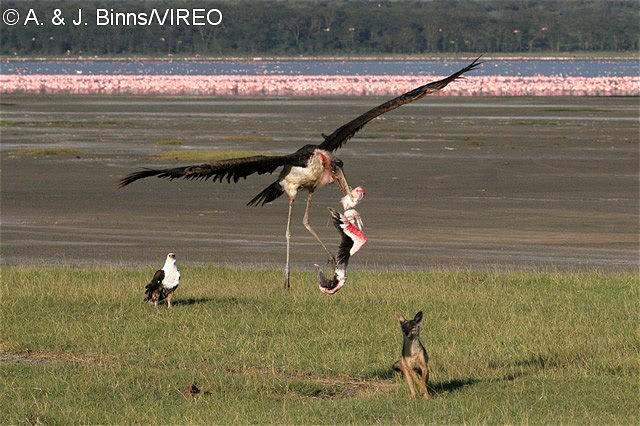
288 236
305 222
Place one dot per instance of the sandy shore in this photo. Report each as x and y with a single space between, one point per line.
464 182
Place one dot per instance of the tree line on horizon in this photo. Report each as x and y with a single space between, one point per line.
289 27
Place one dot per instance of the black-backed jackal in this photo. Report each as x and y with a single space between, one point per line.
415 359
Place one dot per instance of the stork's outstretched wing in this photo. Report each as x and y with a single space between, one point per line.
344 133
232 169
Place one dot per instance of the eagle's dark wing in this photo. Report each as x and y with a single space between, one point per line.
344 133
232 169
154 285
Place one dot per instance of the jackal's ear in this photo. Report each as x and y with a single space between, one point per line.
418 317
401 319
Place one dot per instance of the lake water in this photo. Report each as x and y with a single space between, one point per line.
524 68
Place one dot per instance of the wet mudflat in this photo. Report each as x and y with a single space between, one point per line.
463 182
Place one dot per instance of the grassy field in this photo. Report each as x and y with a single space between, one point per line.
80 346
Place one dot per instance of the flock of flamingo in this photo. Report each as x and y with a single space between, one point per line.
304 85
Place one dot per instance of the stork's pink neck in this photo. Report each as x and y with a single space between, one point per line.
327 173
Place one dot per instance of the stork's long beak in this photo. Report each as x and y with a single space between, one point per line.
341 181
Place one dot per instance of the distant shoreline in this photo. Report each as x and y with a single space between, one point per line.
266 58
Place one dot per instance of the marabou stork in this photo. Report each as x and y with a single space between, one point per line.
310 167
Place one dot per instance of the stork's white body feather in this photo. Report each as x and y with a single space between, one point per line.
316 174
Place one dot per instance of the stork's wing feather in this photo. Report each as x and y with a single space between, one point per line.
232 169
344 133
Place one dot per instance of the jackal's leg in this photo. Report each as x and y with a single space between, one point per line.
408 378
169 299
422 382
305 222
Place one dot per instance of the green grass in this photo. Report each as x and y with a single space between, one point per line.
80 346
9 123
205 155
46 152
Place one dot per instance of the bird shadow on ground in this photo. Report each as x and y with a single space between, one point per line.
225 301
193 301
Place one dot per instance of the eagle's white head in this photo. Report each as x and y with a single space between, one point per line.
171 259
171 273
